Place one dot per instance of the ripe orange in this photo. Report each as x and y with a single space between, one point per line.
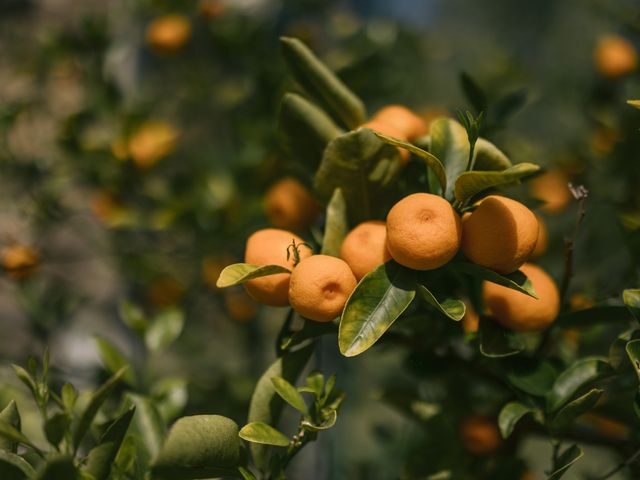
403 120
169 33
269 247
423 231
520 312
471 319
543 239
480 435
552 187
500 234
152 141
288 204
391 131
320 287
19 261
615 56
365 247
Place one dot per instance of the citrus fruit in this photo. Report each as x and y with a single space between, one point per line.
520 312
615 56
403 120
471 319
152 141
390 131
423 231
288 204
269 247
543 239
480 435
19 261
240 306
553 188
169 33
500 234
320 286
365 247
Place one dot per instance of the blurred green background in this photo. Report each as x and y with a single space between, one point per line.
131 172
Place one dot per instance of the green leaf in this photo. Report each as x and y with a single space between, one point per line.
496 341
113 360
10 415
378 300
57 468
200 446
489 157
516 280
532 377
309 330
572 410
148 423
14 436
631 298
133 316
473 92
450 144
14 467
102 456
430 160
336 225
315 383
305 129
510 415
26 378
329 421
165 328
570 456
289 394
452 308
242 272
364 167
633 351
260 432
469 184
266 405
56 426
246 474
322 84
97 399
69 396
577 376
634 103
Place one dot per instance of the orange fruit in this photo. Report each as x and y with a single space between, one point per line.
19 261
169 33
403 120
520 312
480 435
423 231
615 56
269 247
152 141
500 234
552 187
365 247
543 239
288 204
320 287
391 131
471 319
211 8
580 301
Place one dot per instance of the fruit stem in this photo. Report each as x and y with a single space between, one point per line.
294 249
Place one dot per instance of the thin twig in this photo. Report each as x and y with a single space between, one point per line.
580 193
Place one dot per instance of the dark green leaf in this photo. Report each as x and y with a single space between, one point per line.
165 328
289 394
469 184
510 415
14 436
534 378
636 403
10 415
577 376
336 225
508 105
328 422
430 160
322 84
568 458
449 143
474 93
572 410
246 474
96 401
102 456
489 157
259 432
56 426
14 467
633 351
631 298
200 446
241 272
452 308
305 130
113 360
516 280
58 468
378 300
496 341
309 330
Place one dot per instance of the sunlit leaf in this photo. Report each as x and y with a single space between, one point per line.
327 423
259 432
289 394
450 144
489 157
469 184
239 273
452 308
336 224
516 280
631 298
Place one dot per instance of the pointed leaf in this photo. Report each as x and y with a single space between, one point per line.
634 103
570 456
259 432
322 84
102 456
246 474
572 410
532 377
510 415
473 92
14 467
452 308
26 378
57 468
336 225
113 360
496 341
289 394
242 272
633 351
327 423
56 426
200 446
469 184
165 328
378 300
450 144
69 396
148 423
577 376
430 160
11 434
10 415
489 157
516 280
631 298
